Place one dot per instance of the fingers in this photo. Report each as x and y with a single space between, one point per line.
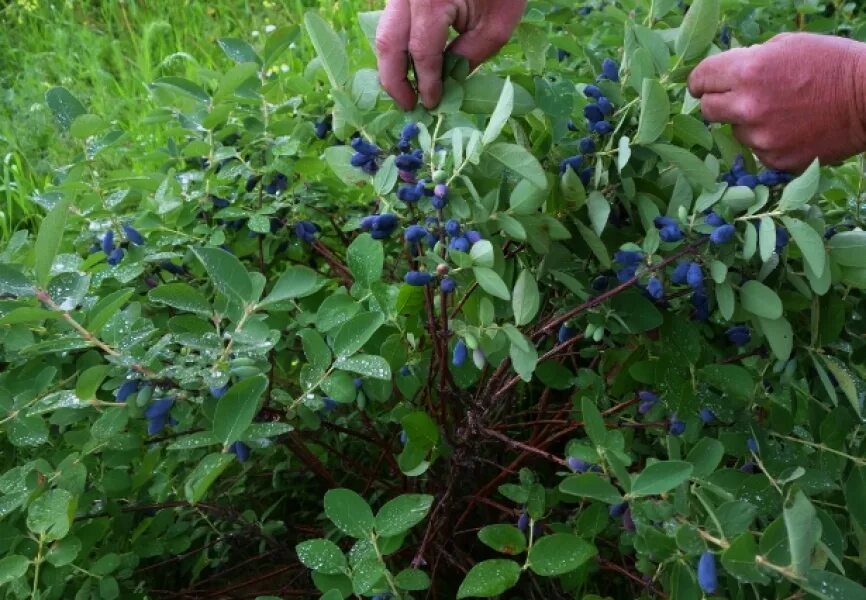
427 39
392 45
716 74
477 45
722 108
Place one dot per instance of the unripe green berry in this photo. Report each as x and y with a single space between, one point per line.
440 176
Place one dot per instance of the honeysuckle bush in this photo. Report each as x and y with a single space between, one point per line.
557 337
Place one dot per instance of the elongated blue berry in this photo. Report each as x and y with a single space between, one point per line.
739 335
618 510
219 392
680 273
707 577
415 233
240 450
410 131
460 354
159 407
408 162
610 70
448 285
410 194
671 233
655 288
782 238
573 162
359 159
452 227
115 257
602 128
714 220
565 333
461 244
473 236
725 36
362 146
523 521
108 242
695 276
578 465
605 105
133 235
126 389
592 91
405 371
306 231
752 444
600 283
278 184
418 278
723 234
748 467
626 273
385 222
359 383
593 113
676 426
322 128
586 145
628 257
706 415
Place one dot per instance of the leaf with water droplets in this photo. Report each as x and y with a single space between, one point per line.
235 411
402 513
559 553
181 296
349 512
489 578
226 272
51 514
356 332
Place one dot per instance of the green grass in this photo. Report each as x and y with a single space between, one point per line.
106 53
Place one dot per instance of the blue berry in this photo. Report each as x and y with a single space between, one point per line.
714 220
723 234
439 202
452 227
523 521
431 240
460 354
618 510
769 178
440 190
322 128
602 128
278 184
405 371
738 169
448 285
586 175
329 404
586 145
749 181
385 222
157 415
593 113
605 105
358 383
172 268
626 273
648 396
362 146
415 233
782 238
725 36
628 257
592 91
561 54
240 450
408 162
578 465
574 162
306 231
707 577
680 273
418 278
610 70
219 203
367 222
565 333
133 235
748 467
671 233
655 288
537 529
701 303
108 242
410 131
473 236
600 283
739 335
461 244
360 159
409 194
695 276
706 415
752 444
676 426
115 257
126 389
219 392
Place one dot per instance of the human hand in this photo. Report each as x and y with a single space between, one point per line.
797 97
419 28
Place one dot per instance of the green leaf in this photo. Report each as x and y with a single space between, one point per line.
316 350
205 473
481 94
14 283
623 153
236 77
593 422
590 485
691 166
734 380
845 380
655 110
239 51
810 242
329 47
725 299
559 553
322 556
506 539
64 106
491 283
799 191
520 160
413 580
178 86
349 512
13 567
739 560
338 158
760 300
235 410
524 359
85 126
780 336
106 308
63 551
500 115
295 282
366 365
827 585
402 513
386 176
365 258
698 29
660 477
706 456
804 531
599 211
525 300
50 515
181 296
767 238
489 578
49 239
848 248
482 254
356 332
226 272
278 42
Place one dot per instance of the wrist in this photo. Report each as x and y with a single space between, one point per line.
858 94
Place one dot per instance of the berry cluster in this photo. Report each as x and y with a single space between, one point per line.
114 252
739 175
366 155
